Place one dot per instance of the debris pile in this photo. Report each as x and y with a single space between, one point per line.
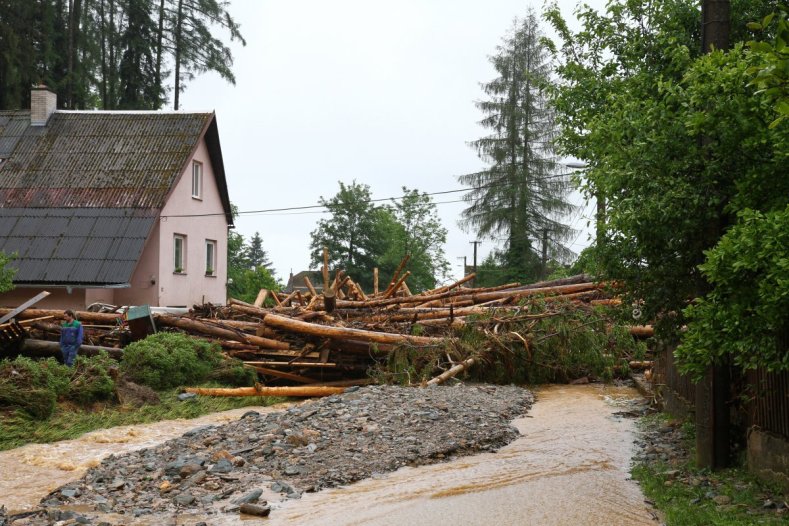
332 338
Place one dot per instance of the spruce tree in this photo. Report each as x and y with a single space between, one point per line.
521 198
255 255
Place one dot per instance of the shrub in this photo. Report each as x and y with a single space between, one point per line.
169 360
36 386
233 372
91 380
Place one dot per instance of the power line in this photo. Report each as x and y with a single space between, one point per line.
310 207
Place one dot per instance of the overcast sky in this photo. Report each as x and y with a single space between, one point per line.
378 92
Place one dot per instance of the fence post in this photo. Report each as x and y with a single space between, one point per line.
712 418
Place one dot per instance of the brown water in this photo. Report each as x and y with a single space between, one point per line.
569 467
29 473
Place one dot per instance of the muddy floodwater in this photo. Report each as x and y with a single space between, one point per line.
37 469
570 466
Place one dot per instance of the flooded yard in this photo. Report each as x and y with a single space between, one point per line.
569 466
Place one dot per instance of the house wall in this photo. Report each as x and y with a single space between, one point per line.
59 298
193 286
144 284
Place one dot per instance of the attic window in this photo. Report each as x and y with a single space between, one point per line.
197 180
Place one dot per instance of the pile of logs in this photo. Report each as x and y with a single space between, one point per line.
329 338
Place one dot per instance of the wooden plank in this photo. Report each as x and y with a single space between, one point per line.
32 301
282 374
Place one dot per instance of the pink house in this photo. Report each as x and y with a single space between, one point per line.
126 208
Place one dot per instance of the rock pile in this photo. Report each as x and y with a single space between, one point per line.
319 444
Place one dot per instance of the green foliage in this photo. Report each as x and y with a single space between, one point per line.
771 72
6 273
110 54
506 266
545 343
90 379
247 283
683 492
35 386
676 142
256 255
233 372
521 197
361 236
19 428
746 316
248 268
166 360
418 232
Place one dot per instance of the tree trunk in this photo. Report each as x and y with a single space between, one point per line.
260 390
188 324
178 28
43 348
344 333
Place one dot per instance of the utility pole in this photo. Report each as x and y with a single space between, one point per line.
475 243
713 391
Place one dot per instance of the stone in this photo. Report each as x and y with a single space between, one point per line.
222 466
184 499
69 493
721 500
255 509
251 497
183 397
189 469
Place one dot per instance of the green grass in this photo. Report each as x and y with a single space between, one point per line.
685 504
17 428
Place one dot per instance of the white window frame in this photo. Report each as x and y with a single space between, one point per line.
210 257
176 263
197 180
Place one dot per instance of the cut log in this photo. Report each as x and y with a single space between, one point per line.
292 364
282 374
329 299
642 331
188 324
298 391
641 364
447 288
396 274
261 299
43 348
397 285
309 286
476 297
454 370
344 333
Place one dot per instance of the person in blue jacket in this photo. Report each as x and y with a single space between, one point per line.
70 338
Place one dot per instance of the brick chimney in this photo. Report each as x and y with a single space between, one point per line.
43 103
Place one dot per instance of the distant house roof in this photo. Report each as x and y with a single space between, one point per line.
79 196
296 281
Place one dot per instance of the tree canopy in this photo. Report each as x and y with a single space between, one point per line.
679 144
361 236
521 198
111 54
